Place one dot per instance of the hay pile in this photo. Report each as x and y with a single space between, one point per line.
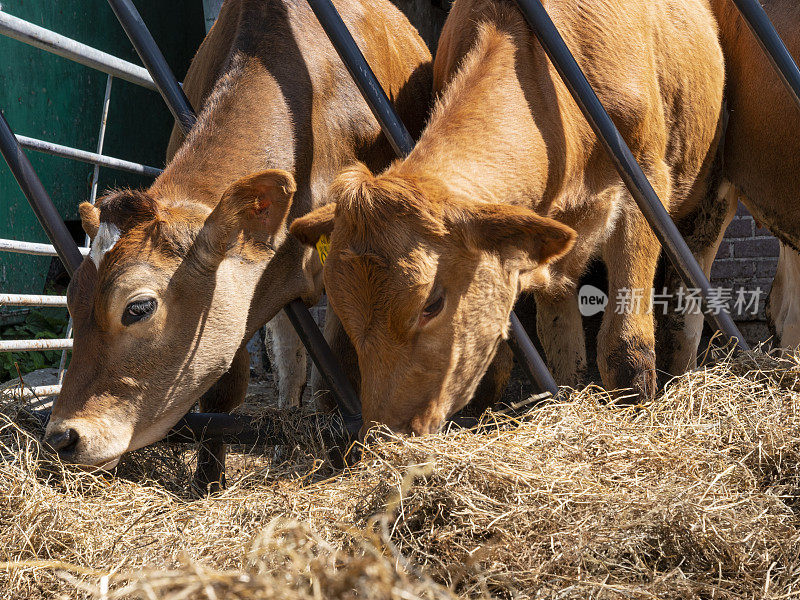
696 496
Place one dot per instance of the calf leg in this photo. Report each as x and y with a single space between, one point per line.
626 341
288 359
225 395
679 332
783 305
560 329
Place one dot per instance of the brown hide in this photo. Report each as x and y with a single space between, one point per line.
185 272
762 140
508 190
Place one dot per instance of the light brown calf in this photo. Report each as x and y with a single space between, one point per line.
181 275
762 147
509 190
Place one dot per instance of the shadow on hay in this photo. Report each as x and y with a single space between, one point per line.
170 466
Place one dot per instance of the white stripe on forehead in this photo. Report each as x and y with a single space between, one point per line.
107 236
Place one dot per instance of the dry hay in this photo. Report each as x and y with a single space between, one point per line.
695 496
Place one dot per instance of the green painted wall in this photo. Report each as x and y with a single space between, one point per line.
51 98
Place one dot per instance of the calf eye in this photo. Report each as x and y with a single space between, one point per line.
138 310
433 308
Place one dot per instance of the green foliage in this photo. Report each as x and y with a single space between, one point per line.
40 324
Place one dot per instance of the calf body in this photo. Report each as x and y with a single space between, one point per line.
181 275
509 190
762 140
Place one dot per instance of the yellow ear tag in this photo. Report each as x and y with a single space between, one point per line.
323 247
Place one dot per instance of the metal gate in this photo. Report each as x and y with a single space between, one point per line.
44 39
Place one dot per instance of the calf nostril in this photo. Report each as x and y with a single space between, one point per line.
63 442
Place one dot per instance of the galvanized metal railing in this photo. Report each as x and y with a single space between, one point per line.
33 248
30 345
99 160
65 47
60 45
31 300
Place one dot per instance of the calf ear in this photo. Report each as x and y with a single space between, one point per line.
257 203
309 228
90 219
520 236
260 201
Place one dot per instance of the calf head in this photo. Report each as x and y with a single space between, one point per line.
160 308
424 281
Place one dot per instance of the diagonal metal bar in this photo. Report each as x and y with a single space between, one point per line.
369 86
327 364
346 397
643 193
403 143
41 203
772 44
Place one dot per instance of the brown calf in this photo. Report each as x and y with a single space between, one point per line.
761 141
509 190
181 275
